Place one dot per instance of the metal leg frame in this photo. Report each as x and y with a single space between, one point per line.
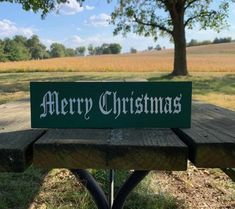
98 194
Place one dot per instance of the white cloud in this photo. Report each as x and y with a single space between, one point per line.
76 40
9 29
89 7
48 42
70 8
100 20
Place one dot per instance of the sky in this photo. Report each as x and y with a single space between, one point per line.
77 26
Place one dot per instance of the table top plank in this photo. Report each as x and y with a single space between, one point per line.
150 149
16 137
211 138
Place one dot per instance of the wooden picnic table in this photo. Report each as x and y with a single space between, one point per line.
209 143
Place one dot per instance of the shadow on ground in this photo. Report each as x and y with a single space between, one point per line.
17 190
210 84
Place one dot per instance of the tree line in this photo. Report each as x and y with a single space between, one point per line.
195 42
21 48
112 48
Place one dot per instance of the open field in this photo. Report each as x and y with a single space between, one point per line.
213 75
216 88
210 58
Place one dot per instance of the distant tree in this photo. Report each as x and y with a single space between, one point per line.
90 49
133 50
80 51
47 54
15 51
2 54
158 47
150 48
115 48
20 40
69 52
57 50
206 42
193 42
112 48
98 50
36 48
104 49
222 40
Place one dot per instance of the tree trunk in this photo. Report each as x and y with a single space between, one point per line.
180 60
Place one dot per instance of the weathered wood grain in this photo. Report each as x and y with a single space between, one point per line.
150 149
16 138
211 139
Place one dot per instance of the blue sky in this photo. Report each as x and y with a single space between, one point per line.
77 26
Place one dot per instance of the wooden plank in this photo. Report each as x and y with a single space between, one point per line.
141 149
211 139
16 151
16 138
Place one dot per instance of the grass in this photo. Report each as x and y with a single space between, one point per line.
216 88
59 189
18 190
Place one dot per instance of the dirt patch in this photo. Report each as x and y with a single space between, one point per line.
197 188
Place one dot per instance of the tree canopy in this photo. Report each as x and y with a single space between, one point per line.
22 48
170 18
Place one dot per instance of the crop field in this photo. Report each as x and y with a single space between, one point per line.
210 58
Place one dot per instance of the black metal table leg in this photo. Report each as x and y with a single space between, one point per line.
134 179
93 187
98 194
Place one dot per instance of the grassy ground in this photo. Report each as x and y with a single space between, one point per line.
58 188
215 88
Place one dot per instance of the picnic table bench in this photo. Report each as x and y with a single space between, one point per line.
209 143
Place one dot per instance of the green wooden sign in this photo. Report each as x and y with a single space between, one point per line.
110 104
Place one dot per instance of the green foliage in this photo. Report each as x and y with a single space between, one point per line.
2 54
90 49
133 50
69 52
154 18
15 51
112 48
80 51
194 42
20 48
42 6
115 48
36 48
57 50
222 40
